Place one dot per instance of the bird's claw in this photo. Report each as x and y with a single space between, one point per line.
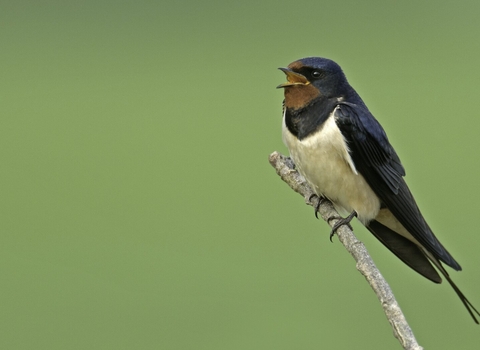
341 221
317 206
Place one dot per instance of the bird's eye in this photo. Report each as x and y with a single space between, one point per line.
316 74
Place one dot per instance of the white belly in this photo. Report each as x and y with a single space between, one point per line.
324 161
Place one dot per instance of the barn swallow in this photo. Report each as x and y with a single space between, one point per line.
344 154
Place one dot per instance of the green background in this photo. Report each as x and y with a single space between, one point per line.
138 208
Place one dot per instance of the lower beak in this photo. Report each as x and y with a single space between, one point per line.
293 78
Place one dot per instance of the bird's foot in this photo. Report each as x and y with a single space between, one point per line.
317 206
341 221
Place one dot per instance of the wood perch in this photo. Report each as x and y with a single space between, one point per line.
286 170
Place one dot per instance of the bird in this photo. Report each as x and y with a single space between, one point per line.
344 154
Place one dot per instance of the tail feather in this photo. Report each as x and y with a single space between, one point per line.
419 259
405 250
468 305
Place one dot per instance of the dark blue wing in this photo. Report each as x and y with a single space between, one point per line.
378 163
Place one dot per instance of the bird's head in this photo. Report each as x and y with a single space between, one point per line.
311 78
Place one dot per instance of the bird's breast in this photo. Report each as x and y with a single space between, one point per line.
324 160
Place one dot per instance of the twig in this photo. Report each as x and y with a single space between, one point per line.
401 330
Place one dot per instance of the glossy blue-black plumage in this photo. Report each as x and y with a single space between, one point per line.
370 149
304 121
376 160
379 164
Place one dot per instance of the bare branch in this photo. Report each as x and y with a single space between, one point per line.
401 330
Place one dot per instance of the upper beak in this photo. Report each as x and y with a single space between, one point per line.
293 78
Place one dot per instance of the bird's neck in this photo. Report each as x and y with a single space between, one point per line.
304 121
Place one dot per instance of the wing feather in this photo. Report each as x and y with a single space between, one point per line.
379 164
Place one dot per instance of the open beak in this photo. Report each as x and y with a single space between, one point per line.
293 78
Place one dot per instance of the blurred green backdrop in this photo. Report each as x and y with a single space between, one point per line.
139 210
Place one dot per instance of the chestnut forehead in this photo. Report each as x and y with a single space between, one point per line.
297 65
